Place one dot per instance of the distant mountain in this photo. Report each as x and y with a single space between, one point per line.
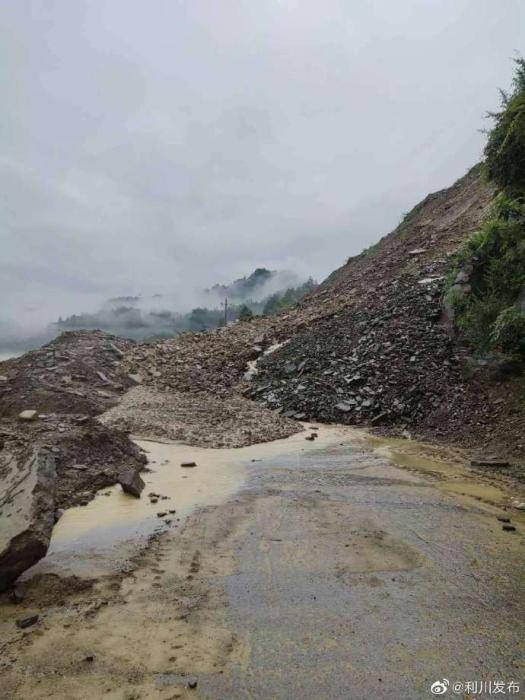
260 284
244 287
263 292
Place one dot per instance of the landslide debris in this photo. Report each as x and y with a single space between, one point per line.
53 452
385 360
374 344
78 373
197 418
213 362
188 389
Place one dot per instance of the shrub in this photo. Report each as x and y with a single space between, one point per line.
508 331
490 316
505 149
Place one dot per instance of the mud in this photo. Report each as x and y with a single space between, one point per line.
449 467
322 570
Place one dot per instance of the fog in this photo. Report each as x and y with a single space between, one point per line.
163 147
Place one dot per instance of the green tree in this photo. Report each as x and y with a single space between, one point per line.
245 313
505 149
491 317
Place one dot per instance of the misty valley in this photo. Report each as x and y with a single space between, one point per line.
262 293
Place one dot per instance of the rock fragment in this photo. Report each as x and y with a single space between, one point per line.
490 462
25 622
131 482
28 415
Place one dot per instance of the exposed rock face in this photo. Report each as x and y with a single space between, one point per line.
27 508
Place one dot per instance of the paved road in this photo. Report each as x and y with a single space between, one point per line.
358 580
329 574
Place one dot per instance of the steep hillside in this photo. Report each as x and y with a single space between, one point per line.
375 345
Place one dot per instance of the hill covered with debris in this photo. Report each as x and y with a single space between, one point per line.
375 345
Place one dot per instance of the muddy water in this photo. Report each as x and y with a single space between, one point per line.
324 564
448 467
96 538
99 538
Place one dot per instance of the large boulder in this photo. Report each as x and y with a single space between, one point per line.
27 506
131 482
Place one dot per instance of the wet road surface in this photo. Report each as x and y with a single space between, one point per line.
359 580
324 572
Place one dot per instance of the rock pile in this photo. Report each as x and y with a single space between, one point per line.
80 372
48 401
197 418
212 362
384 360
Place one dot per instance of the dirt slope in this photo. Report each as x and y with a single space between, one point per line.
372 345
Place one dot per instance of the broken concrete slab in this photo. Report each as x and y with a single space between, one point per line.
27 511
131 482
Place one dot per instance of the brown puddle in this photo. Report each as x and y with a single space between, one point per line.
447 466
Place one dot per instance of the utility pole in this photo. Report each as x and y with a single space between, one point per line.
225 311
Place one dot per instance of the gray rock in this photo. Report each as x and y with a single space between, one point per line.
27 507
462 277
490 462
344 406
27 622
136 378
116 350
131 482
28 415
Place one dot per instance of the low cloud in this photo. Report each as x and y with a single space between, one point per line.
162 149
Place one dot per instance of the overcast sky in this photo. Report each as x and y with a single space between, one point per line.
158 146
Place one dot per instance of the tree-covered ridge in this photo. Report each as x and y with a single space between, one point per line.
126 316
